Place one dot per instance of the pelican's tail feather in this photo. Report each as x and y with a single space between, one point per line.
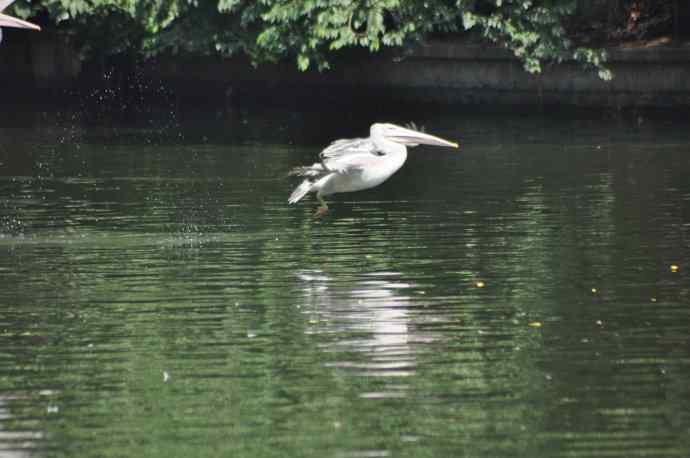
300 191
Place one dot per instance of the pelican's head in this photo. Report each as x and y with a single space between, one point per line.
407 136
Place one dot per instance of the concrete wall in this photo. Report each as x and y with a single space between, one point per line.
462 74
31 60
451 73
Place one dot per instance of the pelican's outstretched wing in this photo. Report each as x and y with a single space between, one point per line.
10 21
4 4
350 155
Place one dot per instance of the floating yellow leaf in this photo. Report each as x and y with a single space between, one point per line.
480 284
535 324
674 268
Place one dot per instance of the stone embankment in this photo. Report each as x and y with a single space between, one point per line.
448 73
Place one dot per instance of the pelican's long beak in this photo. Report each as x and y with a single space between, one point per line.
9 21
413 138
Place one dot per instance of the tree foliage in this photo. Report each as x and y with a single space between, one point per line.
313 31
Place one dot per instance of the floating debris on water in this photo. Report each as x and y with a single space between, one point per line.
480 284
674 268
535 324
653 299
166 377
594 290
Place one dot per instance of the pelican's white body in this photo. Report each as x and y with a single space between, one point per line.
374 171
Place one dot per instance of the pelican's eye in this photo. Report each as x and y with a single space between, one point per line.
379 153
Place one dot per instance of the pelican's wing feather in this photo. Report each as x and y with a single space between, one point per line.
4 4
350 155
347 146
11 21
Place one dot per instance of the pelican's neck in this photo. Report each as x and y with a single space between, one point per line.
394 155
385 145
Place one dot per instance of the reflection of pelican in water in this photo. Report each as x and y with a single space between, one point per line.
22 443
373 315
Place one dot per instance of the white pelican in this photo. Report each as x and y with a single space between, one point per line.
360 163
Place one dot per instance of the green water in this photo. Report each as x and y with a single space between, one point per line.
159 298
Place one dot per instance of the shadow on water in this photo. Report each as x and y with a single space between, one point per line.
524 297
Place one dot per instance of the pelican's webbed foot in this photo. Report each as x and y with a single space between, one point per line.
322 210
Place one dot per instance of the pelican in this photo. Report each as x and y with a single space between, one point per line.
9 21
360 163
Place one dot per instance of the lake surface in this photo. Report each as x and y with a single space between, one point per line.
527 296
